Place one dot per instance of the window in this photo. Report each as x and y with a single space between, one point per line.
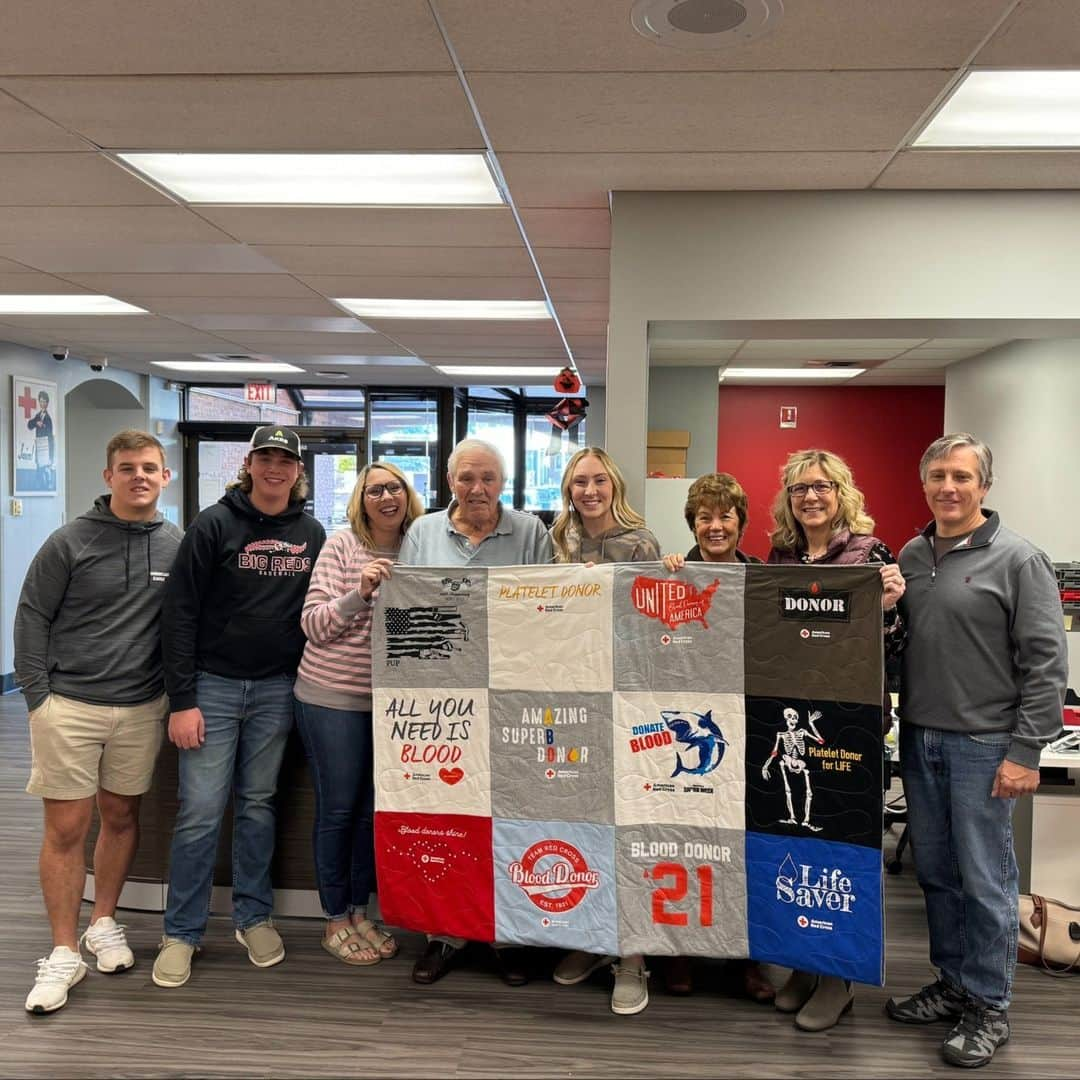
547 450
405 430
494 423
227 403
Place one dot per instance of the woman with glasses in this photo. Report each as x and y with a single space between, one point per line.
820 519
333 706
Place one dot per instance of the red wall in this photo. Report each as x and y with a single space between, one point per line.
881 432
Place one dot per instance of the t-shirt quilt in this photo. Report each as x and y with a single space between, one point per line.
621 760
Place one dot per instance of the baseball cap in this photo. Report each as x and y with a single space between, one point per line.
279 438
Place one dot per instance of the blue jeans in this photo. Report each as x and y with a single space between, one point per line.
963 845
247 725
339 750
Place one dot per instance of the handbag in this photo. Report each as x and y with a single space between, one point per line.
1049 935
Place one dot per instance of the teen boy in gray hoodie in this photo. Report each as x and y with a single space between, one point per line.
88 659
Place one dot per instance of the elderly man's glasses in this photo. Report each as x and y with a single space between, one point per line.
375 491
818 487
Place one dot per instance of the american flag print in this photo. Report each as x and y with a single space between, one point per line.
424 633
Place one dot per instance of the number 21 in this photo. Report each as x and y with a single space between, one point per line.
676 892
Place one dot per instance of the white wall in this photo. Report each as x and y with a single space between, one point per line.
20 537
1022 401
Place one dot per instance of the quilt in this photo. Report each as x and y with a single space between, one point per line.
622 760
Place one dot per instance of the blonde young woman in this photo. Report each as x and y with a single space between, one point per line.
820 518
597 524
333 706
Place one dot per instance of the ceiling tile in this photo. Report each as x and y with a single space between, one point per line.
872 349
706 111
962 346
1040 34
429 288
223 288
104 225
982 169
506 351
493 331
567 228
554 179
580 290
322 344
571 312
24 129
258 112
34 283
573 262
489 226
917 361
136 258
692 353
554 35
400 261
208 36
71 180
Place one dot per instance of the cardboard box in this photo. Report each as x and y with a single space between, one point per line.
669 439
666 455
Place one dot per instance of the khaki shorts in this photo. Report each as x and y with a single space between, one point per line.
77 748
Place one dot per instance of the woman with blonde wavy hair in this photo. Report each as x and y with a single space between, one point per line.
596 523
333 706
820 518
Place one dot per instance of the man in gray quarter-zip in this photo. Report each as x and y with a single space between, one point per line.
984 677
88 659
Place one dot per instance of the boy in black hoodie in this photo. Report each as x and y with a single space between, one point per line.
231 642
88 659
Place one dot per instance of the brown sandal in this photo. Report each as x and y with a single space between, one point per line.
346 946
377 938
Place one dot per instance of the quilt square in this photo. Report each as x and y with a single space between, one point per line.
814 769
551 756
816 906
817 629
674 631
430 635
679 759
431 751
682 891
555 884
550 628
422 859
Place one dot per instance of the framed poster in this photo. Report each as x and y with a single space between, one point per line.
35 431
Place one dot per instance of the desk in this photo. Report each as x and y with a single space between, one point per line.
1047 828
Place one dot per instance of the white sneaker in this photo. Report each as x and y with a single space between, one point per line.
57 973
105 940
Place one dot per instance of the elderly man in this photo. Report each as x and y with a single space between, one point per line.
475 530
984 678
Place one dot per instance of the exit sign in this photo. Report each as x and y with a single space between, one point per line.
260 393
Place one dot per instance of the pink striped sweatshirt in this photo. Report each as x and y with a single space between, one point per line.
335 670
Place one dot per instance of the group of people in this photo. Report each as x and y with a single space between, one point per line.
252 620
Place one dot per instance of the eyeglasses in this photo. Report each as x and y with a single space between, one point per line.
376 490
819 487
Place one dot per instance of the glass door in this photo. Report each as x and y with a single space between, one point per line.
405 430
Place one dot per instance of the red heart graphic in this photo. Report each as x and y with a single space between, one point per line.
451 776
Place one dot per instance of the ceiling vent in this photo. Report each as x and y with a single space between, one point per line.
705 24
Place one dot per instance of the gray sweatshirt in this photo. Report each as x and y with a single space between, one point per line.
986 646
87 622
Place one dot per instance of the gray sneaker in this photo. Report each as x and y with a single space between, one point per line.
631 992
973 1041
172 967
263 943
938 1001
575 967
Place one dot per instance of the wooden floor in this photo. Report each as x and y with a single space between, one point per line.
311 1016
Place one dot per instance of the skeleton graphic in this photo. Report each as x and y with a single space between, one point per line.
790 747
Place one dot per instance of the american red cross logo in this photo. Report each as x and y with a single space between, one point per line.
648 787
28 403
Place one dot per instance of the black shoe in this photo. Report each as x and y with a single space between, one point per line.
512 964
973 1041
438 959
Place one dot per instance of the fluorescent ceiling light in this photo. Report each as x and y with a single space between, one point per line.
479 371
445 309
247 367
323 179
1008 109
66 305
790 373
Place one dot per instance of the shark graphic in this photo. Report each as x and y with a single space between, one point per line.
695 731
